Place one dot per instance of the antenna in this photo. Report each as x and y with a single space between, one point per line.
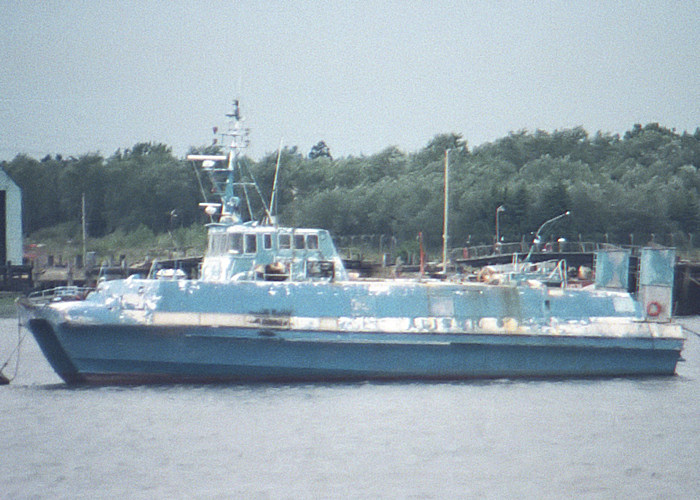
273 200
227 172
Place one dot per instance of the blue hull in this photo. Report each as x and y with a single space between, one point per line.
131 354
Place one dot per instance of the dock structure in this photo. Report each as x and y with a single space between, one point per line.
16 278
14 274
686 290
60 274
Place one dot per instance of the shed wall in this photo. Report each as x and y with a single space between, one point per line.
12 224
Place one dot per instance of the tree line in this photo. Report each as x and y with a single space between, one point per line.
618 187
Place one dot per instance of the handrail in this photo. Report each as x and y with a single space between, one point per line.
60 293
478 251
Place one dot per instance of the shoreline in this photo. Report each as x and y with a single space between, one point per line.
7 304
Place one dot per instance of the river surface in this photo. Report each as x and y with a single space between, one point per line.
607 438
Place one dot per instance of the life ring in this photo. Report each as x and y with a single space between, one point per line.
484 275
654 309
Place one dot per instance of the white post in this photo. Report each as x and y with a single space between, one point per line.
84 231
445 233
500 209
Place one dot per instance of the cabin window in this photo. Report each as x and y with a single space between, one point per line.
235 243
299 242
220 244
285 241
312 242
217 244
251 244
267 241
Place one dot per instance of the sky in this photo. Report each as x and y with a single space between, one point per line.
81 77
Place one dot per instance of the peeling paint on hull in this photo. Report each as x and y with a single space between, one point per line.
149 331
141 355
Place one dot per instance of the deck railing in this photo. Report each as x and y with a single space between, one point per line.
60 293
475 252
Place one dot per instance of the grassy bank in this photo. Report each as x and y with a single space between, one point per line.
135 245
7 304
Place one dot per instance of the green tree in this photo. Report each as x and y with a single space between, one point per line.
145 184
320 150
78 177
40 196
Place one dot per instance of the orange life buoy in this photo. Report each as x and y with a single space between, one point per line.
654 309
484 274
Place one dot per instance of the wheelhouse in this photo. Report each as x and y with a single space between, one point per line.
252 252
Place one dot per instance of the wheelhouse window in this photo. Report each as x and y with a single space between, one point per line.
285 241
267 241
312 242
212 244
251 243
217 244
299 242
235 243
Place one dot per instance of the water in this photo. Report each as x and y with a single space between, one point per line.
616 438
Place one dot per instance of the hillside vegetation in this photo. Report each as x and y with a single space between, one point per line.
621 188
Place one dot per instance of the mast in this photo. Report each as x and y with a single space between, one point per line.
225 171
238 141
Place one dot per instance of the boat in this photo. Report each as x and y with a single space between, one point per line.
276 304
